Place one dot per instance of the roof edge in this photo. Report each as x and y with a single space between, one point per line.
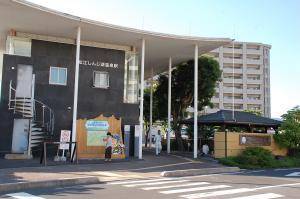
117 27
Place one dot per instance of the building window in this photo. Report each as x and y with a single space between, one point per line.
101 79
131 78
58 76
18 46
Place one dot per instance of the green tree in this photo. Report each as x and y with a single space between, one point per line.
289 133
183 90
255 112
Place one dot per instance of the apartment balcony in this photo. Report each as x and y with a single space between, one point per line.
230 90
230 100
254 81
254 51
230 70
254 61
236 108
253 91
230 80
254 71
230 50
254 101
229 60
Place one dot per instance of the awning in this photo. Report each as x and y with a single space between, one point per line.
27 17
239 118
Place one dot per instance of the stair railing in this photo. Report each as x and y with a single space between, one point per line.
45 116
11 97
40 112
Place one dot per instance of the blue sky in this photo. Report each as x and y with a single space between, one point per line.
274 22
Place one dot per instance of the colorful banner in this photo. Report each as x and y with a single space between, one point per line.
96 132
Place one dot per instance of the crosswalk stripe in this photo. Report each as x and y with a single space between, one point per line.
194 189
260 196
138 181
23 195
155 183
174 186
216 193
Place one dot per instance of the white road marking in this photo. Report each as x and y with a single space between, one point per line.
216 193
261 196
23 195
174 186
185 158
138 181
160 166
256 171
194 189
274 186
285 169
155 183
109 174
294 174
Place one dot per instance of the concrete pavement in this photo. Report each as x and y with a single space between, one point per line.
237 185
152 166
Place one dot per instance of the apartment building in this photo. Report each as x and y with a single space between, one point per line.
245 81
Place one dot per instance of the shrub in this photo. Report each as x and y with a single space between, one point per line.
256 157
230 161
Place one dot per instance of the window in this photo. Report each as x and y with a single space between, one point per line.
101 79
18 46
58 76
131 78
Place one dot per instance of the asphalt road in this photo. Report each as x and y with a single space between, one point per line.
260 184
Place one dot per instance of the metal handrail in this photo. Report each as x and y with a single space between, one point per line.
48 124
10 95
45 108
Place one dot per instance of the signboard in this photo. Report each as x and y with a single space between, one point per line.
65 137
96 132
96 125
90 135
98 63
137 130
127 128
255 140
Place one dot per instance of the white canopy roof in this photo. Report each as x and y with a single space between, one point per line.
27 17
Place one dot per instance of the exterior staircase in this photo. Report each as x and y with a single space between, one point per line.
40 116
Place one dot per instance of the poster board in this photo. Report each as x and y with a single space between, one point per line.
64 137
96 132
90 134
255 140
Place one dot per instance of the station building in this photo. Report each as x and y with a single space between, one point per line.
57 69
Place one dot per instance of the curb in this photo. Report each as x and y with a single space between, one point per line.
9 187
194 172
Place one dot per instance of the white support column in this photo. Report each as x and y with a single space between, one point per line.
151 109
142 101
76 86
169 106
196 102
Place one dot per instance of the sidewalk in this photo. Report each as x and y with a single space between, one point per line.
150 166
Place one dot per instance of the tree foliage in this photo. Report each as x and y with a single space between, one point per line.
255 112
183 90
289 133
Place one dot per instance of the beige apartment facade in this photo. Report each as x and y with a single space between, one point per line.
245 81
